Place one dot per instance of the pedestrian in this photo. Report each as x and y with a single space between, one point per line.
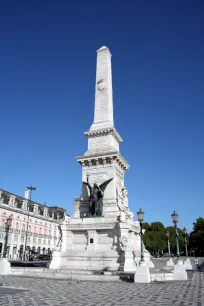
196 264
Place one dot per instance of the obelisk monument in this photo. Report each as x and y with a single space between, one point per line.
102 161
108 240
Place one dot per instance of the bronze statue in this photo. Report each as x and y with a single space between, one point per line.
96 197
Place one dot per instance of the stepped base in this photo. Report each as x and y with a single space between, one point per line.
81 275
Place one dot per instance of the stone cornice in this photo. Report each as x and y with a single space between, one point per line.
103 159
103 132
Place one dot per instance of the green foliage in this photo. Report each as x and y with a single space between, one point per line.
157 226
155 238
146 226
196 239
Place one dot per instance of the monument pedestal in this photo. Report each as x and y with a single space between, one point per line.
179 272
142 274
96 244
5 267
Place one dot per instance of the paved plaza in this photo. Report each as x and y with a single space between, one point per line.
35 291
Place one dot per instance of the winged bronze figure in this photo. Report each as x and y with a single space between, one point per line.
96 197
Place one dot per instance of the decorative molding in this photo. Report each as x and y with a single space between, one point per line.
107 159
104 132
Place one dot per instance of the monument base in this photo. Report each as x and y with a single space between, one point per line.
98 244
5 267
179 272
142 274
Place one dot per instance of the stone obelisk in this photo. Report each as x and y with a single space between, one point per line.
102 160
103 112
107 241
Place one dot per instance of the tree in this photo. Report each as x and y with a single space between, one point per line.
146 226
196 239
155 238
157 226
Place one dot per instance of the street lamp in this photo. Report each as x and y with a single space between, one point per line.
175 221
31 189
8 225
185 240
140 215
169 251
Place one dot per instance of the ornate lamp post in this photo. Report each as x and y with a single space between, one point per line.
185 240
140 215
175 221
187 263
142 274
31 189
8 225
169 251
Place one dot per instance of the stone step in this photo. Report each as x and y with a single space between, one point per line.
161 277
69 275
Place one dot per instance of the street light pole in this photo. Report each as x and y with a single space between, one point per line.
185 241
25 247
8 225
140 214
175 221
187 263
169 250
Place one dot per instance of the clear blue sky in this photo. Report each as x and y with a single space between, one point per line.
47 77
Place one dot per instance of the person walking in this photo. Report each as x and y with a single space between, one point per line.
196 264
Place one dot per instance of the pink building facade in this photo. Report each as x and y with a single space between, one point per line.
40 222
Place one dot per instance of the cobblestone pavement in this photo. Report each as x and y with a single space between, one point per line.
39 292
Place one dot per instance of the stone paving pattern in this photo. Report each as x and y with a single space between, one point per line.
39 292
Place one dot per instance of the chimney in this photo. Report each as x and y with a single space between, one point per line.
26 196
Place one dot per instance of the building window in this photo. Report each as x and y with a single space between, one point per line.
22 238
45 231
49 242
55 233
50 232
39 241
40 230
17 226
29 228
34 240
44 241
15 238
35 229
29 239
24 227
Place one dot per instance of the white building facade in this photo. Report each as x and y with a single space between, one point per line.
36 221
